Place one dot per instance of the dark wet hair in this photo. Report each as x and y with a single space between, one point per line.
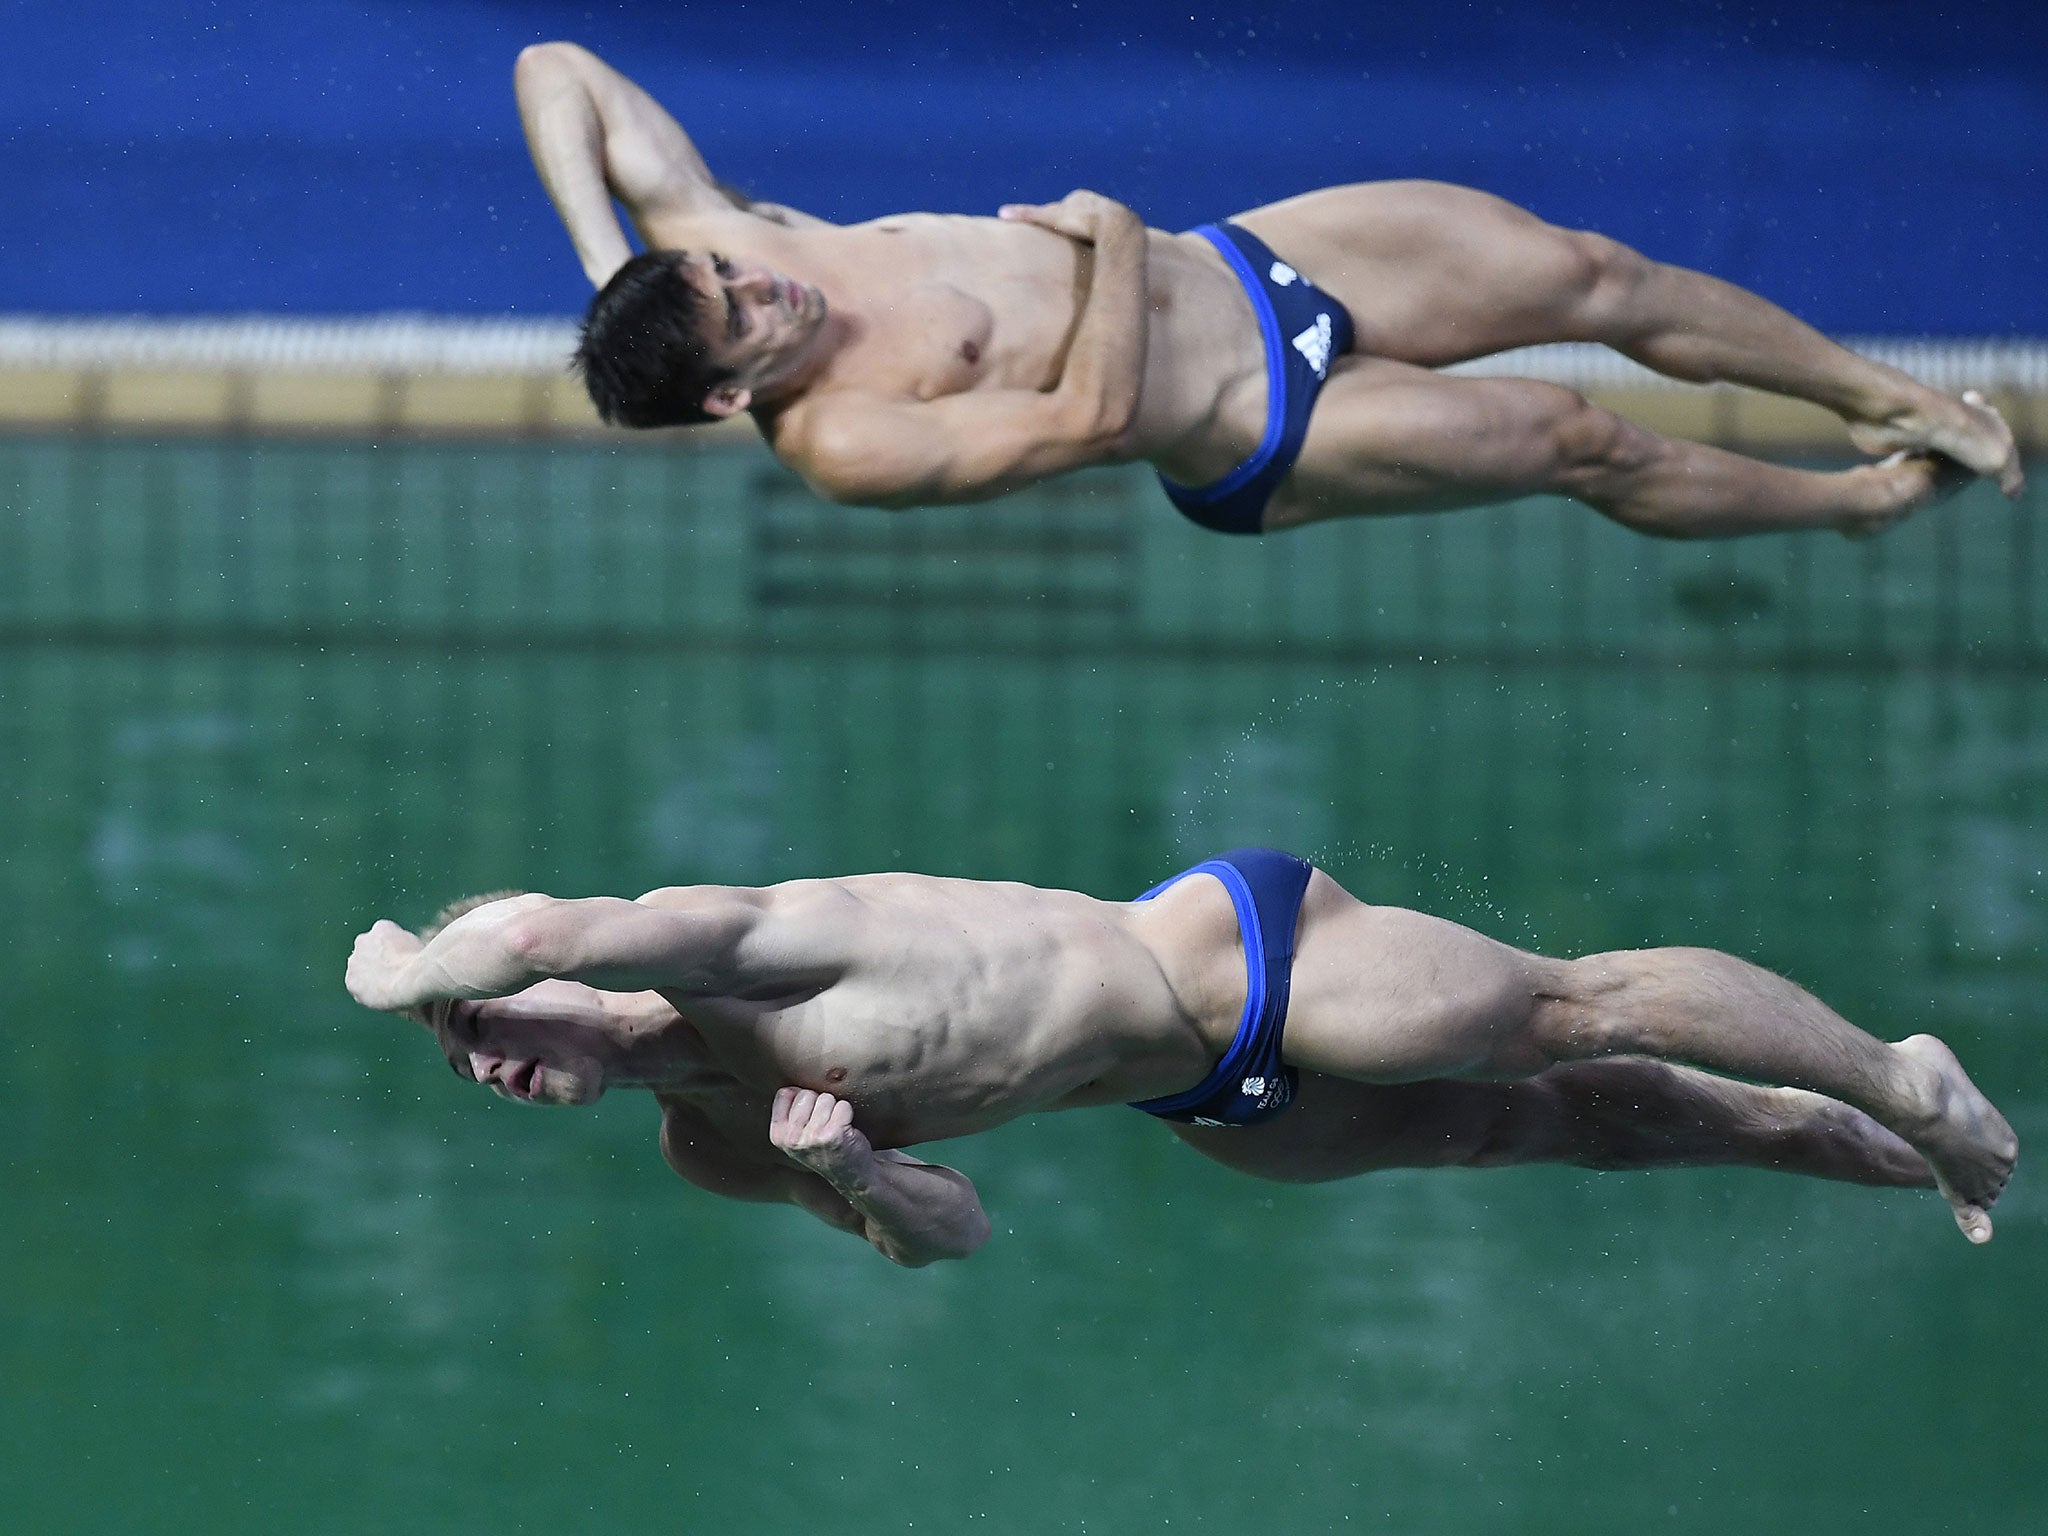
643 353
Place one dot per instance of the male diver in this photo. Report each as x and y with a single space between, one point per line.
1277 368
797 1037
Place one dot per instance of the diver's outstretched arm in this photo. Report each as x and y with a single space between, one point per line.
607 942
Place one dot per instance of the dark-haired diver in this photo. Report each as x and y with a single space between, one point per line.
795 1037
1276 369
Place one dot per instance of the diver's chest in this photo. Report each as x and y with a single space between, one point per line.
927 339
852 1041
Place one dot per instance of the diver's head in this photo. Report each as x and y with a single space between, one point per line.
678 337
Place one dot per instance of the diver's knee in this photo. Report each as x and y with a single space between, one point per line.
1586 447
1584 1008
1601 458
1604 277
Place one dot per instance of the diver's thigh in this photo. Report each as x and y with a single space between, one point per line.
1332 1130
1387 437
1336 1129
1431 273
1389 995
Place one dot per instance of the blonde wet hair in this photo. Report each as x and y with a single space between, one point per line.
461 908
424 1014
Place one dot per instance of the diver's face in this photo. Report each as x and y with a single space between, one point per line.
764 323
555 1043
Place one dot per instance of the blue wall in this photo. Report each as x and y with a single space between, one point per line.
1877 166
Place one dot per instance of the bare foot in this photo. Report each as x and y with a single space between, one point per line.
1968 431
1966 1141
1898 487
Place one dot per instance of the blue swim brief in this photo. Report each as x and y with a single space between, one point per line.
1250 1083
1304 330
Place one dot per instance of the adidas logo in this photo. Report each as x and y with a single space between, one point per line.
1282 274
1314 344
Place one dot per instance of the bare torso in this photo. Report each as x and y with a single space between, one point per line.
942 304
944 1007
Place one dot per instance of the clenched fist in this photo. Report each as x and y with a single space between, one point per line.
816 1130
376 966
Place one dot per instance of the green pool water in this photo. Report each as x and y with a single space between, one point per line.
268 1267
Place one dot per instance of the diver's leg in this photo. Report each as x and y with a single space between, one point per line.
1623 1113
1390 437
1434 273
1712 1010
1383 994
1633 1112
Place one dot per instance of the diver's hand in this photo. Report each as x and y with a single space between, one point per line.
379 966
816 1131
1080 215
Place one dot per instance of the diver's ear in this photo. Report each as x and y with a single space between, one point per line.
728 399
